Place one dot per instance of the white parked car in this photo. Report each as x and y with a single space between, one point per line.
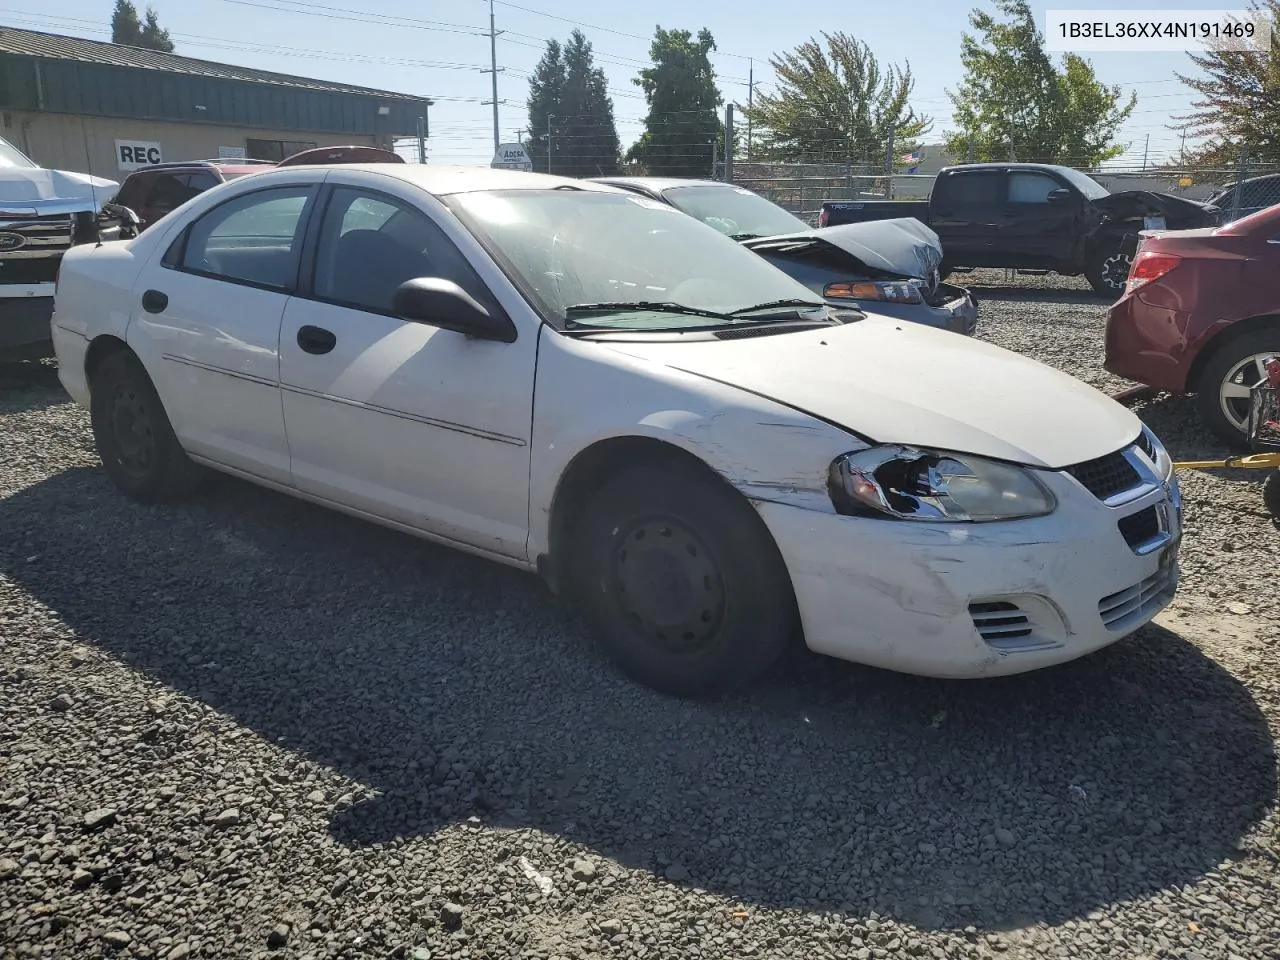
576 380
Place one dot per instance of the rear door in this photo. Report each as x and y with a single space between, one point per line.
967 213
207 324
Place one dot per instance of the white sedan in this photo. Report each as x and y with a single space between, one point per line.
579 381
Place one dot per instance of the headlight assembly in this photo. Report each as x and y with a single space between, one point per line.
910 484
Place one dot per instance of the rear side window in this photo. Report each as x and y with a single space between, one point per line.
255 239
985 187
201 180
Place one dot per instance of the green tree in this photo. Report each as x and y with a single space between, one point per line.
546 91
568 90
1015 104
1239 105
126 28
836 105
154 36
682 129
129 30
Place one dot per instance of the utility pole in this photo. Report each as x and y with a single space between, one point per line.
728 143
1182 150
550 117
493 70
520 136
1145 149
751 99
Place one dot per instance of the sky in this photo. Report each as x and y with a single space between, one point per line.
439 51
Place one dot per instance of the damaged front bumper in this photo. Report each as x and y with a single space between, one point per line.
948 308
964 601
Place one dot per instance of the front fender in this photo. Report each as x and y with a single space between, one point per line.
587 393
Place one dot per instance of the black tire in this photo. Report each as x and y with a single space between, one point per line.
1224 365
708 610
133 435
1271 495
1108 268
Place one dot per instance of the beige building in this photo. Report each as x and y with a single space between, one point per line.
106 109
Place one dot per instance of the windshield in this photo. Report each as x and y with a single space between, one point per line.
1090 187
11 156
574 248
734 211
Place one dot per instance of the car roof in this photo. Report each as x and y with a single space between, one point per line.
658 184
442 180
222 166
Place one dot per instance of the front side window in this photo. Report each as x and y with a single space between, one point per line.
734 211
572 248
370 244
255 238
1031 187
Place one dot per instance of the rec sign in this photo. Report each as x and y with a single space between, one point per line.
132 154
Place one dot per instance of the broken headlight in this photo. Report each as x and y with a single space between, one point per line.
910 484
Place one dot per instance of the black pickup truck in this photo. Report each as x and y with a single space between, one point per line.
1035 218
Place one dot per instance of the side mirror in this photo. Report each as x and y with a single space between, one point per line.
1059 195
442 303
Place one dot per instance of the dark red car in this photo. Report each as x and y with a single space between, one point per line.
1200 314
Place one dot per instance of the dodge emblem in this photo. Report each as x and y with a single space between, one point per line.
11 241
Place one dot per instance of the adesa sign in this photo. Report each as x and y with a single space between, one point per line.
132 154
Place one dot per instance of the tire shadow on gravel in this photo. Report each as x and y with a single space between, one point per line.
29 385
454 688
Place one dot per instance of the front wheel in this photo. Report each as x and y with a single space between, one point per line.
681 581
1108 270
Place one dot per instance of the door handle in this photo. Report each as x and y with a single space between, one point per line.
153 301
316 340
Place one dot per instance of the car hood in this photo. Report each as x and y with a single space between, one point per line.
895 382
1130 204
903 247
23 190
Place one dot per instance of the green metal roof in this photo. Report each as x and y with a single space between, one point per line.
52 46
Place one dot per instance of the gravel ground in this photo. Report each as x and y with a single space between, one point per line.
248 727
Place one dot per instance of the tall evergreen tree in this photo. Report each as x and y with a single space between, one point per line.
568 91
546 90
126 28
588 131
682 129
837 105
1015 104
1239 104
154 36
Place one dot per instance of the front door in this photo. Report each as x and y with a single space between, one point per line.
207 326
405 421
1038 232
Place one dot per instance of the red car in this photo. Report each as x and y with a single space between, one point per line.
1200 314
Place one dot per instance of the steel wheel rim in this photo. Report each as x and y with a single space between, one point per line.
668 585
133 439
1234 390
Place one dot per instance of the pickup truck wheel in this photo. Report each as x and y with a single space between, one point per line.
133 435
681 581
1108 269
1223 390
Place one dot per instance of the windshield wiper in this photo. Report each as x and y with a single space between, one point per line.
779 305
745 236
653 306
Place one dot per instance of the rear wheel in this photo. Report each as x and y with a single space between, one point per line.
681 581
133 435
1223 391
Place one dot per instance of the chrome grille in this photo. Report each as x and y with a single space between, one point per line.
42 236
